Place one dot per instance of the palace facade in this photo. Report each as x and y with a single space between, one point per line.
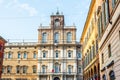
56 55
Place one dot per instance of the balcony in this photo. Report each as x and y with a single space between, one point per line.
57 73
56 42
21 44
58 58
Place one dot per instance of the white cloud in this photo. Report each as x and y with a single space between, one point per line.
32 11
21 7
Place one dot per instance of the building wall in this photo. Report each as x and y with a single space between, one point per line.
49 67
111 36
89 41
14 61
2 43
63 47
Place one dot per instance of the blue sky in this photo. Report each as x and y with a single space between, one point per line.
19 19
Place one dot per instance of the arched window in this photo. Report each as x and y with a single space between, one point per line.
104 77
24 69
17 69
9 55
34 55
34 69
57 23
69 69
56 37
43 69
19 55
69 37
57 68
112 75
44 37
69 54
25 55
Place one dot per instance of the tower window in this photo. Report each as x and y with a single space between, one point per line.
44 37
69 37
57 23
56 37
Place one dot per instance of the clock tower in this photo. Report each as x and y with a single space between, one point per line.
57 21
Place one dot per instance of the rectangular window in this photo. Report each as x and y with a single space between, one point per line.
102 58
79 69
109 50
56 55
44 55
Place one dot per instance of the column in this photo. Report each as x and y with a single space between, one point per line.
74 53
38 70
51 77
39 52
62 77
62 67
38 66
51 52
75 68
62 53
74 77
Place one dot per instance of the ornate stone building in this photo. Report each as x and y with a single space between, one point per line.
56 55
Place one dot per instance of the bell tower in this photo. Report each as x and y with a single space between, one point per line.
57 21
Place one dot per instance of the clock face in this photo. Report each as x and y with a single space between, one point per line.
57 23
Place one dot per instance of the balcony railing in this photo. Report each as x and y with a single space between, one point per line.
65 73
20 43
46 58
57 42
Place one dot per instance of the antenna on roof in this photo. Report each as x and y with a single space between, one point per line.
57 11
